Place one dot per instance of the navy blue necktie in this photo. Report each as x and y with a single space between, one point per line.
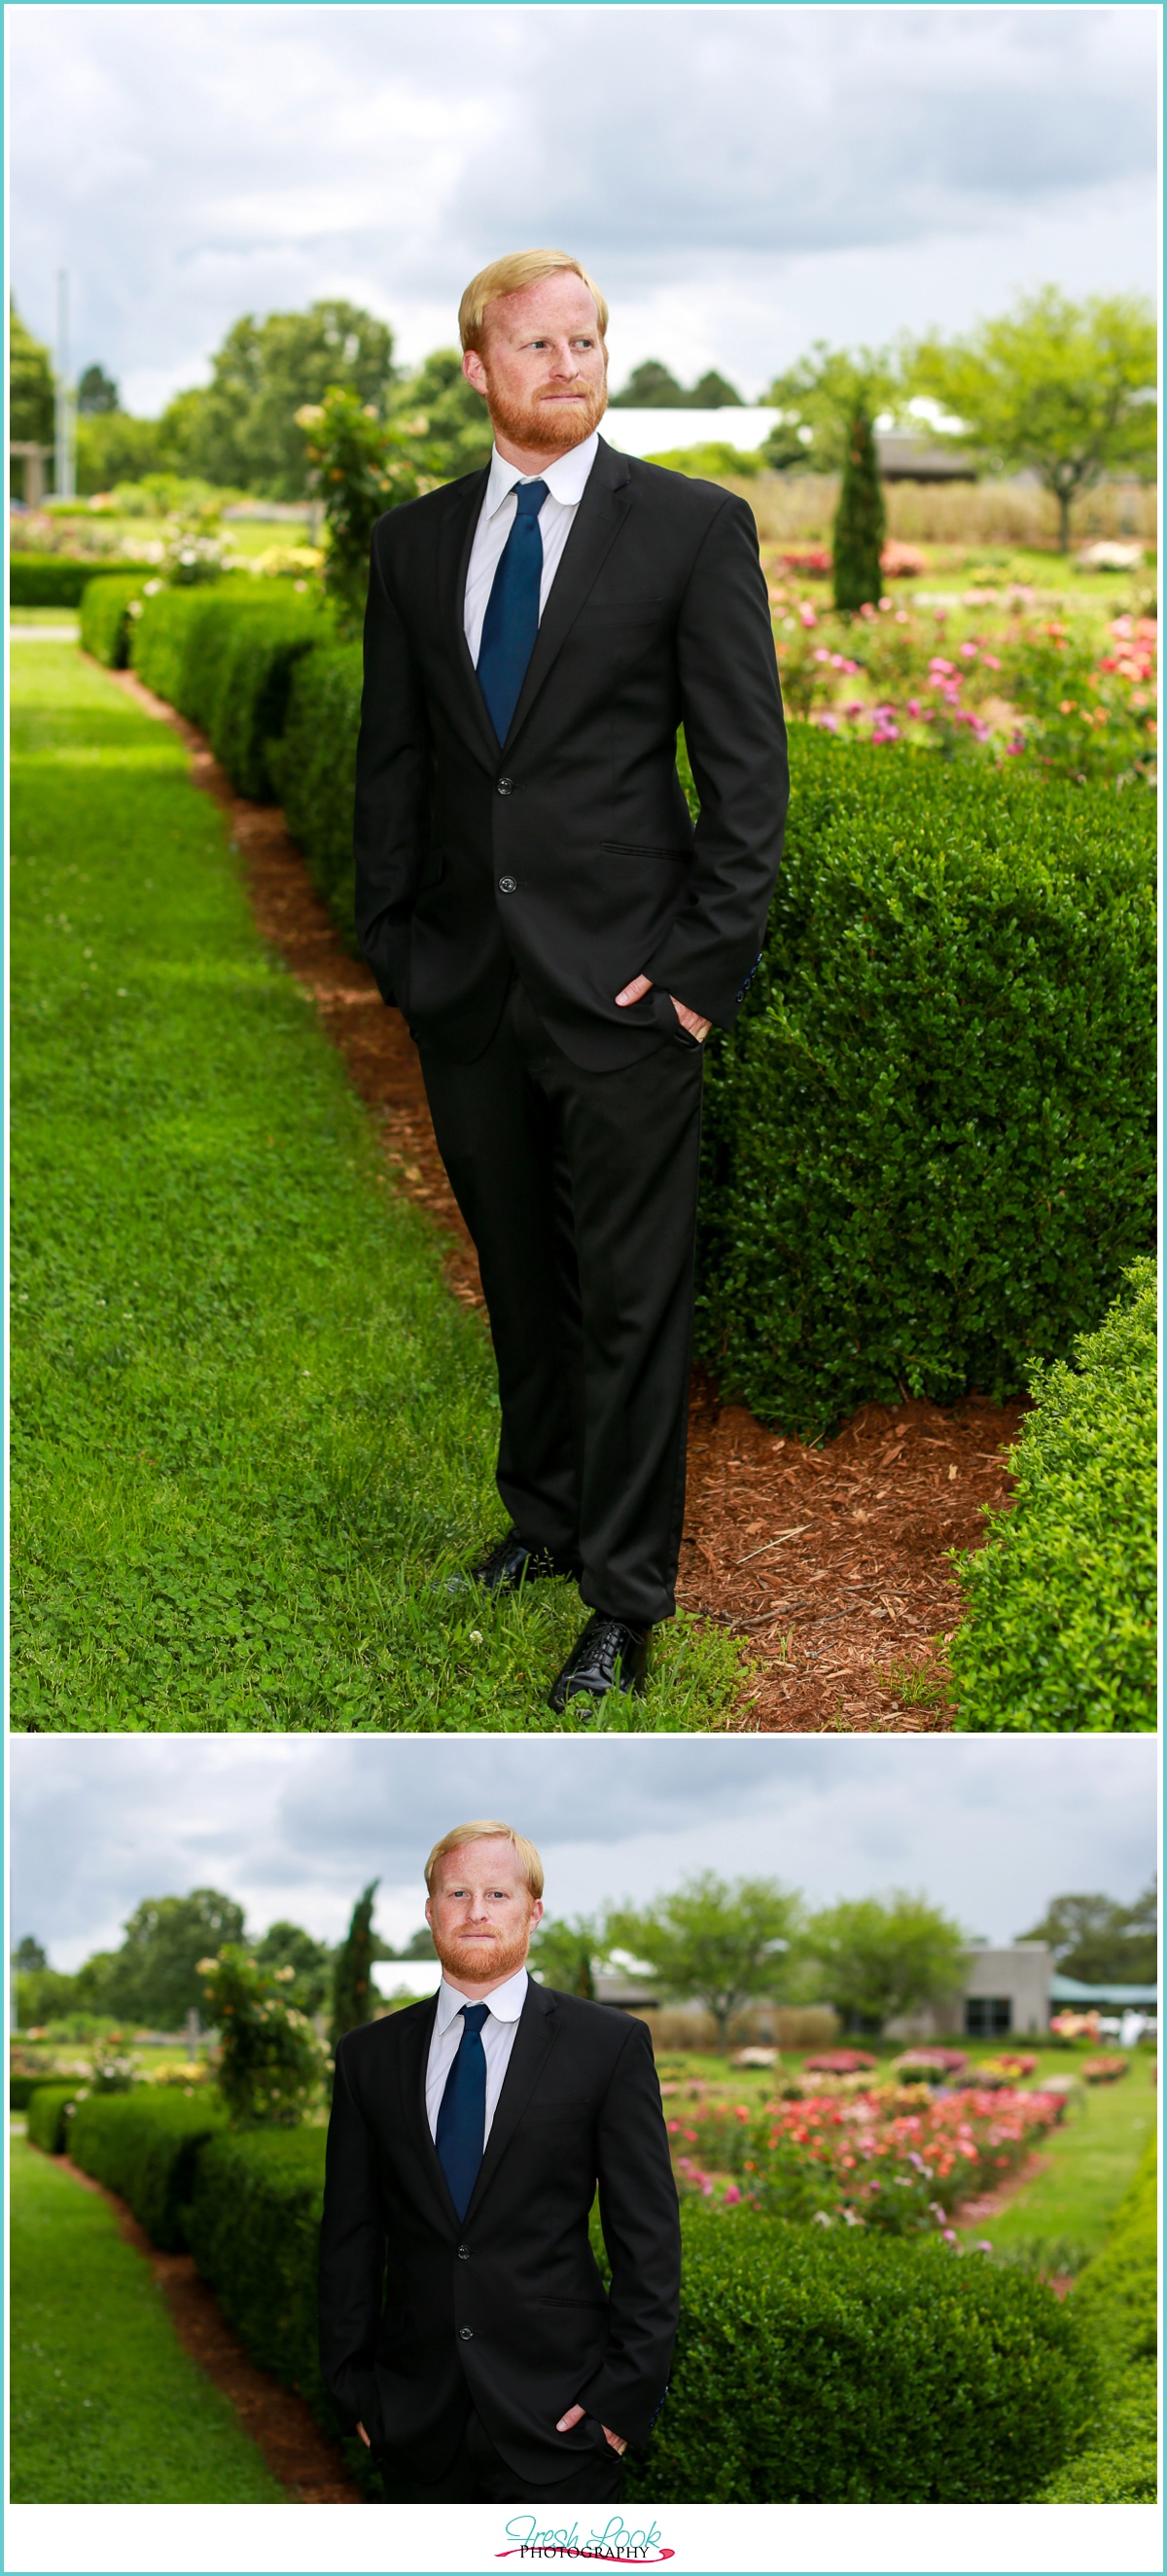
461 2130
511 622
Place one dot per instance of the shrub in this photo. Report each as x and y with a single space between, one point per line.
314 770
48 2122
223 653
928 1148
818 2368
21 2088
253 2226
1115 2301
145 2146
270 2060
105 617
58 581
860 527
1061 1627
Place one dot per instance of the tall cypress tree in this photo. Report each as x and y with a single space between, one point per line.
860 520
352 1991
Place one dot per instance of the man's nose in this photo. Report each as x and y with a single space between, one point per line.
566 362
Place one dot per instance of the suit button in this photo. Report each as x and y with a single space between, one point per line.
467 2334
463 2253
505 785
508 885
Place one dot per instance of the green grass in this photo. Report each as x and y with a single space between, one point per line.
250 1425
1061 2220
107 2408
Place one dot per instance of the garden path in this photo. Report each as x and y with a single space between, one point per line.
306 2463
830 1564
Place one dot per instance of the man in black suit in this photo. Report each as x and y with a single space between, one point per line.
464 2323
532 893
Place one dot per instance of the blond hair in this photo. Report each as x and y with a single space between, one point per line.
506 276
487 1829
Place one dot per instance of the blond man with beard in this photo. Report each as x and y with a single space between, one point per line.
532 894
464 2324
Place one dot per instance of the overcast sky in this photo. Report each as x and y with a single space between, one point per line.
293 1827
740 180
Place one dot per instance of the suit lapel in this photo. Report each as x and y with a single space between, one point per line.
534 2040
598 521
453 565
415 2125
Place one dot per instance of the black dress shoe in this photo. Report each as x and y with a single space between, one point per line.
609 1656
508 1565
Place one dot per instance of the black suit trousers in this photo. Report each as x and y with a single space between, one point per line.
478 2474
580 1192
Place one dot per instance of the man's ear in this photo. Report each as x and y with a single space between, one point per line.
536 1911
474 371
428 1916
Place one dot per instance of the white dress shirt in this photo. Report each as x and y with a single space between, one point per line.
503 2008
565 487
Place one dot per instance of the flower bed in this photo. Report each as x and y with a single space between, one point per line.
892 2158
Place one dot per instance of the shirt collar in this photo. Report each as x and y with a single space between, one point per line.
506 2003
565 482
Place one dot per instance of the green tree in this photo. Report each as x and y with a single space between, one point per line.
43 1994
1098 1941
420 1945
29 1955
713 392
270 2063
823 392
31 385
457 429
285 1945
1064 390
883 1956
716 1942
113 447
860 521
352 1983
154 1978
97 392
361 466
243 430
565 1954
650 387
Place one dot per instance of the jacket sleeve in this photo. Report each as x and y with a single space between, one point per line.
391 811
731 708
638 2213
352 2260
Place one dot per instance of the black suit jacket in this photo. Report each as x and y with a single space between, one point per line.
417 2306
568 852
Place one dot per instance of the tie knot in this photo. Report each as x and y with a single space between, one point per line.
529 499
474 2015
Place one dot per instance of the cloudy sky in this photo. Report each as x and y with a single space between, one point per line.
294 1826
741 180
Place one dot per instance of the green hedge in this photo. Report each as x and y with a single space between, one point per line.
929 1150
1116 2301
314 770
145 2146
1062 1599
21 2089
223 654
55 581
821 2367
47 2123
105 617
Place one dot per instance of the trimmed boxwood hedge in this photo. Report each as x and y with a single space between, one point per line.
929 1146
22 2087
223 654
1062 1599
48 2125
145 2145
314 769
1116 2300
105 617
56 581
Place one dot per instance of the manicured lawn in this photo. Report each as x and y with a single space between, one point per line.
249 1423
107 2408
1062 2218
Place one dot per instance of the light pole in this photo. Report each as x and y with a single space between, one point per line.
64 457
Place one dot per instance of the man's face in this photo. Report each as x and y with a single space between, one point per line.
481 1912
542 366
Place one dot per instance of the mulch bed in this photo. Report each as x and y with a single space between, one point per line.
829 1564
298 2454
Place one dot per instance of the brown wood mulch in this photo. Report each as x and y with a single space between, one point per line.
829 1565
311 2468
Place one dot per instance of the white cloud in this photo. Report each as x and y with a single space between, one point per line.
294 1827
740 178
